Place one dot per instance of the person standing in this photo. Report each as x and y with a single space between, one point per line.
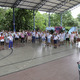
22 37
33 37
10 41
43 39
67 38
55 40
2 39
72 38
49 39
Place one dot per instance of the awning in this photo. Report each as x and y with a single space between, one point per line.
56 6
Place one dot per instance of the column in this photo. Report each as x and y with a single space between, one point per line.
49 20
34 19
14 20
61 19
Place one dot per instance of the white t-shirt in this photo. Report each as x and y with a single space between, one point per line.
10 38
58 36
16 36
37 35
72 36
62 36
19 33
55 37
67 35
43 36
33 34
49 36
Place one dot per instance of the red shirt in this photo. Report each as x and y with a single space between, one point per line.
1 37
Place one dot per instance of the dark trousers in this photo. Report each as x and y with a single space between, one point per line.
22 40
2 43
33 39
10 44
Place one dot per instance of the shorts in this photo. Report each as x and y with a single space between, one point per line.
43 39
58 41
48 40
67 39
61 39
37 38
16 38
72 40
55 41
2 43
19 36
29 38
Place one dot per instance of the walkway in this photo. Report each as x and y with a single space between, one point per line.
33 62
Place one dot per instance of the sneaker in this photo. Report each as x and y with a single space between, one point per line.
12 48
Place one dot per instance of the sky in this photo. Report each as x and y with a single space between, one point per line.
75 11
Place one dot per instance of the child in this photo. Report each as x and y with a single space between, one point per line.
43 39
72 38
49 39
10 41
2 39
22 37
55 40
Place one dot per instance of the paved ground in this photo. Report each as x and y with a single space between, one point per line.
34 62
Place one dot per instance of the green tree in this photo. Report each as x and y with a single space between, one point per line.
2 18
78 17
39 21
67 19
23 19
9 19
45 15
55 19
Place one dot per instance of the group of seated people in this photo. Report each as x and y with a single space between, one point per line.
44 37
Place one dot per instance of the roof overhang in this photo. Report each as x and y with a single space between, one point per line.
56 6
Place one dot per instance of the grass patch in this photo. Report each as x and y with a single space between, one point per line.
68 28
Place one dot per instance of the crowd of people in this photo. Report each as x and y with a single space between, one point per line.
44 37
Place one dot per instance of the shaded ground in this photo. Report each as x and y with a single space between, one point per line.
35 62
15 45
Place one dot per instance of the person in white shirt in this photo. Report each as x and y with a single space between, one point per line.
33 36
10 41
58 35
43 38
55 40
16 36
49 36
37 36
7 40
67 38
22 37
61 38
72 38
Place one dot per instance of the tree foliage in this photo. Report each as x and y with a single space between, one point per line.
24 19
40 21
